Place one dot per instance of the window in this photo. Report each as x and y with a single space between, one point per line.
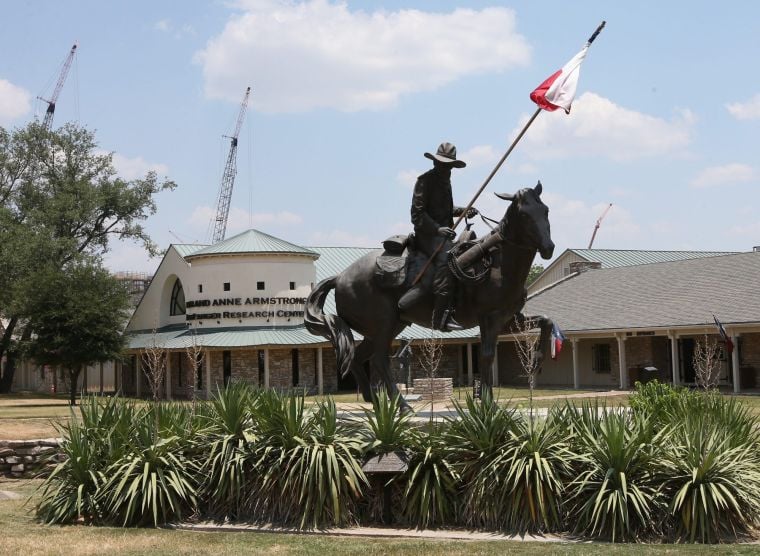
292 285
226 286
226 367
199 372
601 360
200 288
260 285
180 370
177 303
261 367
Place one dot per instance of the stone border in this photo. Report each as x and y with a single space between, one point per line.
23 458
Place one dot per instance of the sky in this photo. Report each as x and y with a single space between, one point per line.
348 96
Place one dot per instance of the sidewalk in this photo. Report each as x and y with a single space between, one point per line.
376 532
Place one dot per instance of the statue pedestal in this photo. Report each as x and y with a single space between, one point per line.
434 389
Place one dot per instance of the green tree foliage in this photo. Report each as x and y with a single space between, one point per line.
61 200
77 316
535 272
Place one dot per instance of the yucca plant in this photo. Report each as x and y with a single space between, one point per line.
531 472
480 432
617 493
227 464
71 492
389 428
154 482
430 495
713 480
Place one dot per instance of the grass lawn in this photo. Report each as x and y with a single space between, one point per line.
22 535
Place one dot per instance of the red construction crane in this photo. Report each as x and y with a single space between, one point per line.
228 177
48 121
599 223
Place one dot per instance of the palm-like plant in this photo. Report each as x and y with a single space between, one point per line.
389 428
617 493
714 481
432 480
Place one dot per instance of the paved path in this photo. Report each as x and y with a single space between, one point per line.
383 532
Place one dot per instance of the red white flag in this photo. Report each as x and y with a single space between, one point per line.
558 91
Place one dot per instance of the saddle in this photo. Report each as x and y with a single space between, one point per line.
400 261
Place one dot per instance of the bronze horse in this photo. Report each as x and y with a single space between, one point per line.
493 304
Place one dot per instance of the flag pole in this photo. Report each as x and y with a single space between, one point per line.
493 172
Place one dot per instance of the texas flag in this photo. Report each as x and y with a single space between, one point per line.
558 91
557 338
724 336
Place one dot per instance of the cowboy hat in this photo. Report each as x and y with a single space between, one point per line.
447 154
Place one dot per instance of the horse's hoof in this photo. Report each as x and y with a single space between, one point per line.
406 409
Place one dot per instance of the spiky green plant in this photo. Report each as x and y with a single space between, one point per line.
431 489
713 479
154 482
617 493
389 428
227 465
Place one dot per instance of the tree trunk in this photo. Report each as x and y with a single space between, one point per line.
6 375
73 379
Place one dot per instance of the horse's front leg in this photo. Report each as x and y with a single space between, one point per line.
489 332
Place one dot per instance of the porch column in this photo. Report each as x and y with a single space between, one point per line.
674 358
735 364
495 365
207 368
168 378
469 365
576 367
138 372
622 363
320 373
266 367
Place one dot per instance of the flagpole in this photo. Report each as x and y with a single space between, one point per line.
493 172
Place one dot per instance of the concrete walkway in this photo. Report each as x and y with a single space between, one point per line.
376 532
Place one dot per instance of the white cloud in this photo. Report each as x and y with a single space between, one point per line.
749 110
480 155
137 167
599 127
724 175
178 32
408 178
318 54
240 220
14 101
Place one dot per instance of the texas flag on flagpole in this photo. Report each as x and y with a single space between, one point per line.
558 91
724 336
557 338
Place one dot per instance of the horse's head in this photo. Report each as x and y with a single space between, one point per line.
526 221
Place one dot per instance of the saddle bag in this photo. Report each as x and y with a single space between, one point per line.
390 271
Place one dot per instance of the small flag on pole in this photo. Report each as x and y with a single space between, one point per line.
557 338
558 91
724 336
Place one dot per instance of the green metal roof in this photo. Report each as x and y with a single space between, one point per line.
253 242
613 258
185 249
334 260
179 337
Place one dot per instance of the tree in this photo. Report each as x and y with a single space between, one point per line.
526 345
78 318
706 362
535 272
60 201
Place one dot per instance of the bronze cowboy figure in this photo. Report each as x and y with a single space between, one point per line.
433 215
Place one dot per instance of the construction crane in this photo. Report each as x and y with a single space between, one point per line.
599 223
48 121
228 177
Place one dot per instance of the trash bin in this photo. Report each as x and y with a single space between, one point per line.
649 374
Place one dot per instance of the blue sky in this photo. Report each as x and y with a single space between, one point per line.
348 96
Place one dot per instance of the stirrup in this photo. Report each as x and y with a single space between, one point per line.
448 324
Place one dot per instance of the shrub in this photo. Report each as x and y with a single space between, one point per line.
617 492
713 476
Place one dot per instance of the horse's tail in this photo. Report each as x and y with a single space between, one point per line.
331 327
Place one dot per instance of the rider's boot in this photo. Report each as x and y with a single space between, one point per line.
443 315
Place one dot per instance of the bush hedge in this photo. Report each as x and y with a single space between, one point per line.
678 465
